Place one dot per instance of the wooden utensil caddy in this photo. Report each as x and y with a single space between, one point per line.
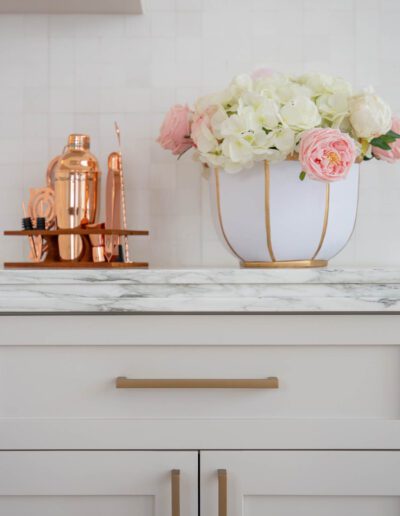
52 259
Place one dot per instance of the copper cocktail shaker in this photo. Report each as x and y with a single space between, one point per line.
76 185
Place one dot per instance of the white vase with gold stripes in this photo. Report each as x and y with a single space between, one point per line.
267 217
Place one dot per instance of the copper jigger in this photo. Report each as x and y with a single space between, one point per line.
97 242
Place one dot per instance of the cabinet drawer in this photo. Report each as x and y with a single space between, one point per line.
314 381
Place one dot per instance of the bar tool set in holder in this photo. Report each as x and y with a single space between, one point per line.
60 220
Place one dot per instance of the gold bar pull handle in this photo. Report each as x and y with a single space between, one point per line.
175 492
222 492
197 383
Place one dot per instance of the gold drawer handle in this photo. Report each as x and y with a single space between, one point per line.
122 382
175 492
222 492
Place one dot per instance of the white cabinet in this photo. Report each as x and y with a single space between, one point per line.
94 483
328 437
304 483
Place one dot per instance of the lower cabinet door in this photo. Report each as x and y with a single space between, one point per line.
300 483
95 483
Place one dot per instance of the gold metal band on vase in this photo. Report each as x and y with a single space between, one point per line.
221 225
312 262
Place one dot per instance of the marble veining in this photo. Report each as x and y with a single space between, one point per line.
200 291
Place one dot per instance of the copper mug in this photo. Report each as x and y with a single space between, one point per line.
76 179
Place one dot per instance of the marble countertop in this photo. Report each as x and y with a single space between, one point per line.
375 290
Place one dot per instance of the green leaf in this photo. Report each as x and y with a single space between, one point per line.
367 158
388 139
302 175
380 143
393 134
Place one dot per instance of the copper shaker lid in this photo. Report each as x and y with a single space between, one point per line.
79 141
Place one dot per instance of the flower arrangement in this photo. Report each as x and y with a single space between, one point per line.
272 116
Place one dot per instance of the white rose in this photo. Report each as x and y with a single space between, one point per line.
300 114
370 116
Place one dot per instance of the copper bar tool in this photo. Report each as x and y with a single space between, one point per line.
123 202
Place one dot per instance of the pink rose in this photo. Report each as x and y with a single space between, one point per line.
175 130
201 122
394 154
261 73
326 154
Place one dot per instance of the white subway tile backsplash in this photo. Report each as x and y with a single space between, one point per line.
11 125
160 5
189 5
35 100
163 175
11 99
80 73
12 27
35 125
60 124
61 100
137 100
188 25
163 24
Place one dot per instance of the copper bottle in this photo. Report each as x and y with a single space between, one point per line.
76 185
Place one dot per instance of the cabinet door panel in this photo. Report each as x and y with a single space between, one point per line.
305 483
95 483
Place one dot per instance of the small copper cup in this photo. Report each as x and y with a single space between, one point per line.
97 242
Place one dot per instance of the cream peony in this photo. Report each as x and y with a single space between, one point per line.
370 116
300 114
